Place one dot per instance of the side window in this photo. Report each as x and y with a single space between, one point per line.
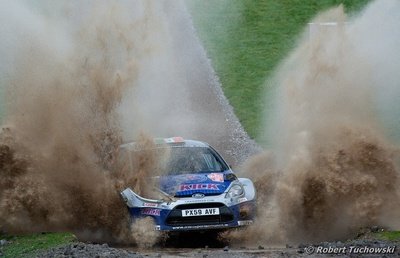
208 160
211 162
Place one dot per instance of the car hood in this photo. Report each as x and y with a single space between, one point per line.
188 184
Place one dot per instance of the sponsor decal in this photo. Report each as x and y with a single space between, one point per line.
150 204
245 222
149 211
243 199
198 200
201 226
200 178
189 187
216 177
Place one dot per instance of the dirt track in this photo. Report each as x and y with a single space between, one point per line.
90 250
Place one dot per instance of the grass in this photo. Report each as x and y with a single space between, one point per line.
388 235
246 40
29 245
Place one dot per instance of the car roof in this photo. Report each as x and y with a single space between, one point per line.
194 143
163 142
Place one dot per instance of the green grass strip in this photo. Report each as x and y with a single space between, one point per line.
246 40
29 245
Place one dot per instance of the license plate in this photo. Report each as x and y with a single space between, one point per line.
200 212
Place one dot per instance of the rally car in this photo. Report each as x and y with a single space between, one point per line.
201 191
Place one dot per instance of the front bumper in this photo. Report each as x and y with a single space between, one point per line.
168 215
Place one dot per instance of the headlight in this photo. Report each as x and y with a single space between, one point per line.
235 191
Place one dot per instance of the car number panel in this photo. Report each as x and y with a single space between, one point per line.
200 212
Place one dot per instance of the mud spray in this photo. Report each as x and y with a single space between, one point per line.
77 81
333 171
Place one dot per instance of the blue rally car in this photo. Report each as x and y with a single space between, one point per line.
201 191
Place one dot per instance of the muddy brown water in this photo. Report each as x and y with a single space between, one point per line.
77 88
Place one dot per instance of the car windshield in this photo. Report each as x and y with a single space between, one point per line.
185 160
178 160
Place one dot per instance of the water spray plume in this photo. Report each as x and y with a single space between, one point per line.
333 169
62 127
79 80
80 83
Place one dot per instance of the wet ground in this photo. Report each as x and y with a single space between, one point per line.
209 245
355 248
